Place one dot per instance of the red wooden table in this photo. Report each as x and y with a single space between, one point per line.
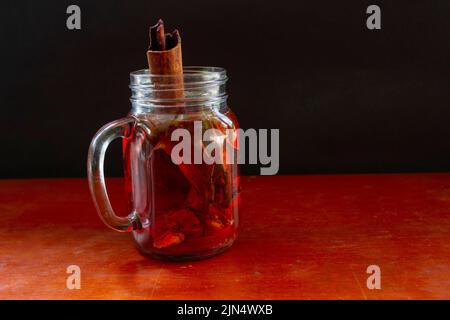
302 237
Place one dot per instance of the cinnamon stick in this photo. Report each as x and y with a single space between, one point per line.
165 59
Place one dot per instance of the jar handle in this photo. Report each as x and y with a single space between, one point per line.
120 128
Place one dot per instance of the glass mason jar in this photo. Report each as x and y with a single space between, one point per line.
178 210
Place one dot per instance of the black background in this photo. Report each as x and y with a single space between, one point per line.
345 98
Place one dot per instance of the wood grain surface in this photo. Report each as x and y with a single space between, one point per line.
302 237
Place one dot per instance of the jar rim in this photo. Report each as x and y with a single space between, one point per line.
192 75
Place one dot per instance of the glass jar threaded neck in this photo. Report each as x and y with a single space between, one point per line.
198 87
